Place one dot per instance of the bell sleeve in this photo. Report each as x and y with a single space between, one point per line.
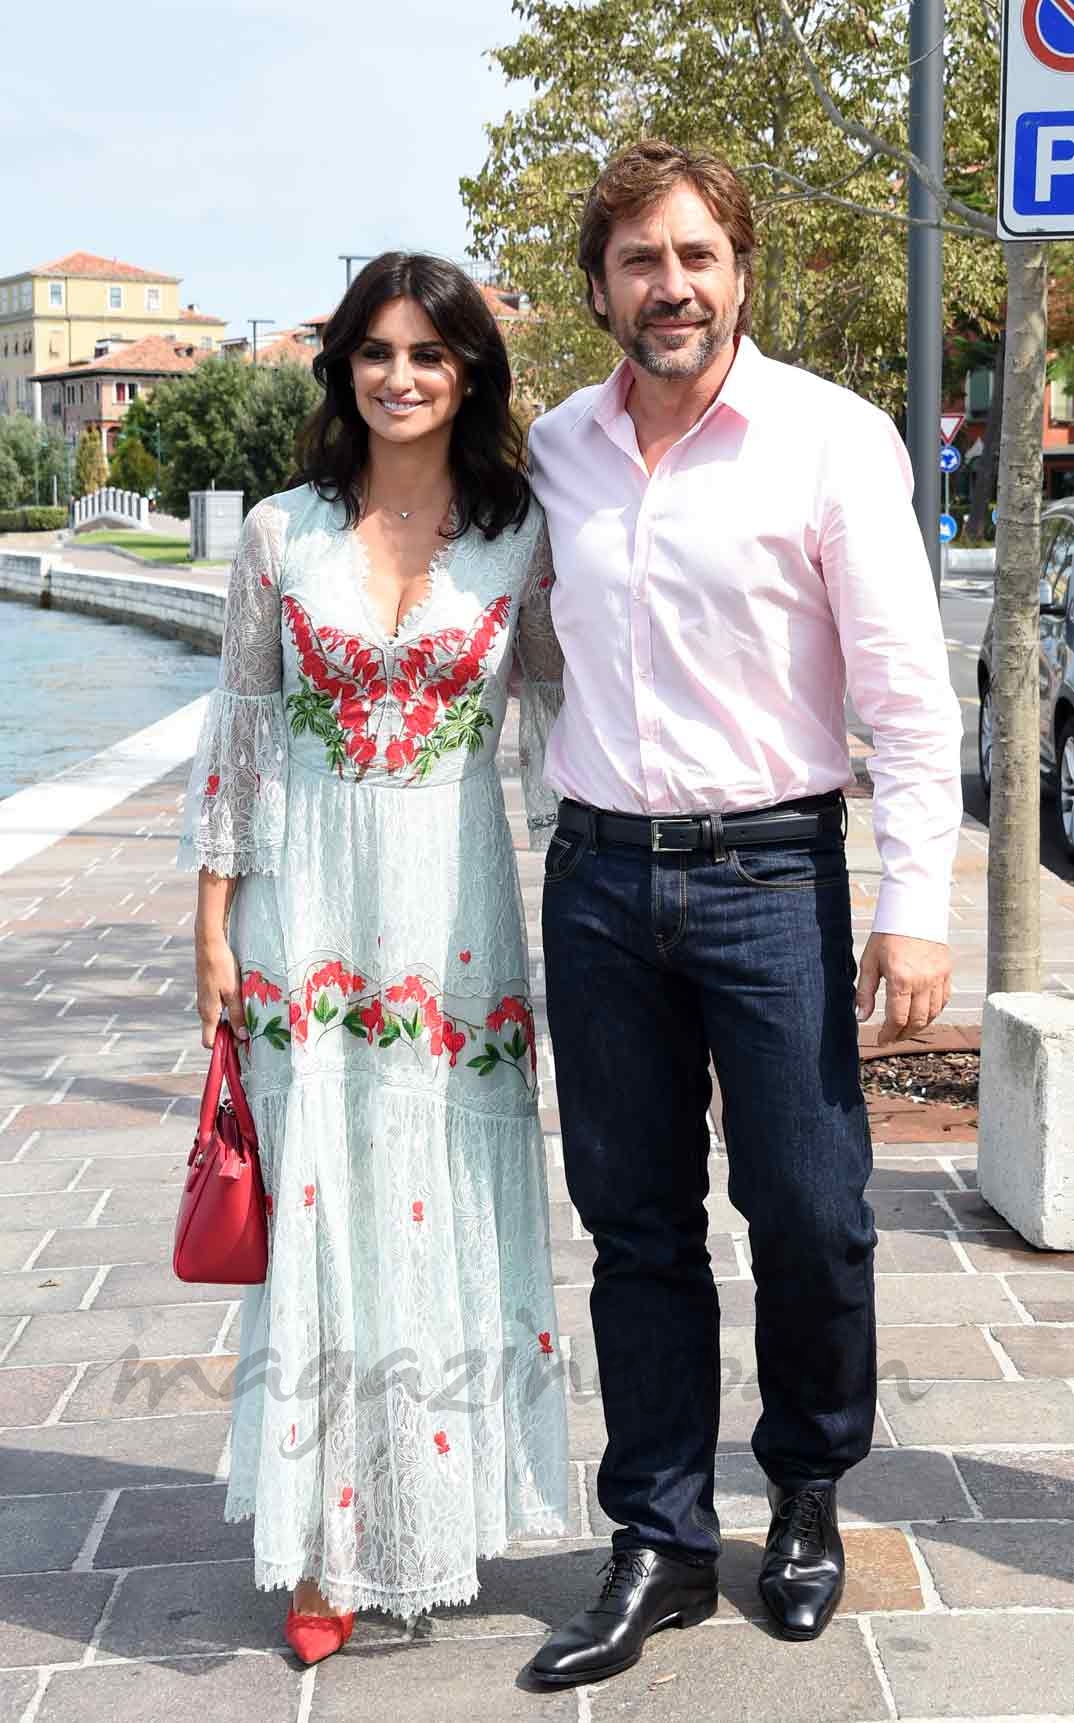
237 796
538 680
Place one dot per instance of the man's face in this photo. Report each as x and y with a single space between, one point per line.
672 290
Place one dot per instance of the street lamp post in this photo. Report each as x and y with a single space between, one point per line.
924 343
255 324
352 257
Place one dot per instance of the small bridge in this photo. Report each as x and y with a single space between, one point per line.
110 507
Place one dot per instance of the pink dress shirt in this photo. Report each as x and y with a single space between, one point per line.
714 615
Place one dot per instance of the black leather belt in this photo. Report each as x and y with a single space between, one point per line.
715 834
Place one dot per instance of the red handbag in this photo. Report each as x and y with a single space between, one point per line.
221 1230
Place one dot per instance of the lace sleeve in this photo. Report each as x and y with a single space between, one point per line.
539 678
236 800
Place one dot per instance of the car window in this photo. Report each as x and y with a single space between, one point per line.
1057 563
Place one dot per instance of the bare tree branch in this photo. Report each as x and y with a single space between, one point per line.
816 194
873 141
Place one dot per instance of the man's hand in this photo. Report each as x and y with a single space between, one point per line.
917 982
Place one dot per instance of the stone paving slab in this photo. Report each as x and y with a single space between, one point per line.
995 1411
1030 1564
1026 1484
980 1665
111 1453
190 1690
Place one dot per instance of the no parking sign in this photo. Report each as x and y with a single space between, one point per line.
1036 128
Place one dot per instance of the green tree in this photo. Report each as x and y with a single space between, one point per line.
132 467
199 416
279 399
831 286
91 470
31 456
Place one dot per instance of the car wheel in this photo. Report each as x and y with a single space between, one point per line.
1064 800
984 740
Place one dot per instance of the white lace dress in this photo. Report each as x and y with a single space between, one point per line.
399 1404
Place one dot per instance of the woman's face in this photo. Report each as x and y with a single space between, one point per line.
407 381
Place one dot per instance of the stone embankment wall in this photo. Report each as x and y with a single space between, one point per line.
183 611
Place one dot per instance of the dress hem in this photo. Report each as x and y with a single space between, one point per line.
402 1602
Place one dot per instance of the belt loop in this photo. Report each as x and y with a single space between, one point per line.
719 848
591 835
844 815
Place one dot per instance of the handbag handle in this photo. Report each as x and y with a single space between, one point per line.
224 1065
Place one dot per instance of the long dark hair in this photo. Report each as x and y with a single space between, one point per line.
486 451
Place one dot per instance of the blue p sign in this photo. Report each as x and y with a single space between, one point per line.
1044 164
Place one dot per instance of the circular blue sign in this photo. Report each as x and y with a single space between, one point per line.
950 459
948 528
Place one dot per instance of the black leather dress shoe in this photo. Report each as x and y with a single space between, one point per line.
644 1592
804 1567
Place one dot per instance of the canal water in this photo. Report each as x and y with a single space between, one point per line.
74 685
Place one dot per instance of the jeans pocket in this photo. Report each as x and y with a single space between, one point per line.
790 867
563 855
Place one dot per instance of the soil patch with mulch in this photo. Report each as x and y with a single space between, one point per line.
923 1089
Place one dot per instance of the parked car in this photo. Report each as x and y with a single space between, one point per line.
1056 671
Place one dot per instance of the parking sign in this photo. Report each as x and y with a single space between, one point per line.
1036 126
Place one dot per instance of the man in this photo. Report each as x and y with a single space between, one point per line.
734 547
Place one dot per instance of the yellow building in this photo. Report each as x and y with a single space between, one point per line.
60 313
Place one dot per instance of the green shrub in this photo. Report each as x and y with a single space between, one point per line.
32 520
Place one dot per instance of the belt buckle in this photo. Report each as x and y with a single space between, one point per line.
656 836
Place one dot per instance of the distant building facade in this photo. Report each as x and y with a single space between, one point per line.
96 394
59 313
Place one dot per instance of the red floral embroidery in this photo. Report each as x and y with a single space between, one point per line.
334 975
465 956
373 1018
292 1435
268 1202
265 581
417 1209
440 1438
295 1012
430 676
411 988
311 1192
254 986
544 1341
346 1496
212 784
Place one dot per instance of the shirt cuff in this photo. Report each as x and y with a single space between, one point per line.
916 911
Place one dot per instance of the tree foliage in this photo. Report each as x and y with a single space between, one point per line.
132 467
831 281
31 456
91 469
228 425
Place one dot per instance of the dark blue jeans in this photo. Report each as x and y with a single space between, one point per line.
654 963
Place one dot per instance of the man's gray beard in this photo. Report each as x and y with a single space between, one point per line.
714 337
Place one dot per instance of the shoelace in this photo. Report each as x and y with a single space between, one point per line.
622 1570
803 1513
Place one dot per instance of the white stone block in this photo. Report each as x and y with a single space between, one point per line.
1025 1151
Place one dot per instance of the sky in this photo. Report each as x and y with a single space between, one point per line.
244 145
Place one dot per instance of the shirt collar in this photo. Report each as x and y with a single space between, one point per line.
741 392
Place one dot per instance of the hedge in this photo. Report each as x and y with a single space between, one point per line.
32 520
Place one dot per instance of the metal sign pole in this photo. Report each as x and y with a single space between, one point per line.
924 355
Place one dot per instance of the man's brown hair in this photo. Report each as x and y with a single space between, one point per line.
642 175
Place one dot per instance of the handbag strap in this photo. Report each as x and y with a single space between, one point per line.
224 1065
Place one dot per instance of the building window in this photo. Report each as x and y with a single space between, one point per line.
152 298
27 293
1062 403
115 299
206 341
98 391
3 301
55 295
132 391
123 392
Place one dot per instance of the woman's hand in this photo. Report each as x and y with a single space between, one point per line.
219 989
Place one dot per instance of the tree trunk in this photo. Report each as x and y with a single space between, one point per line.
1014 842
984 480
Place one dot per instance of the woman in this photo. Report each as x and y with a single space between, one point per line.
399 1408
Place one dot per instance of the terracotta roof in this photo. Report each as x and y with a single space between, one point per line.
286 349
502 302
188 316
151 357
87 265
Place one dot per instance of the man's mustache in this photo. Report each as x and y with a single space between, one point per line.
669 313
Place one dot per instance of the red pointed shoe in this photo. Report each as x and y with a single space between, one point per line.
315 1637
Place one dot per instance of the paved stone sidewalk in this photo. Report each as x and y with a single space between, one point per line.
125 1597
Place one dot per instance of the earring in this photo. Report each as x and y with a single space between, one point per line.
469 389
